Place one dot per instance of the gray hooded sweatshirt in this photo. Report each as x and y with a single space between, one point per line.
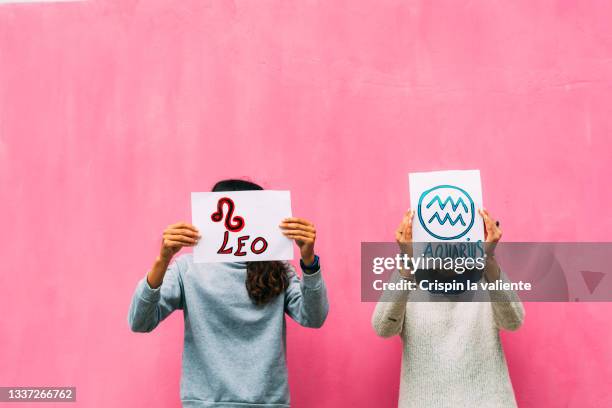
234 351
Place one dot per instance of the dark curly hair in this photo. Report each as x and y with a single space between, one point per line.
265 280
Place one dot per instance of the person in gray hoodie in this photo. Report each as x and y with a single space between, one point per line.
234 352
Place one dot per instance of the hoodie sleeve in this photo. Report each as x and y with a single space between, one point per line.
306 298
150 306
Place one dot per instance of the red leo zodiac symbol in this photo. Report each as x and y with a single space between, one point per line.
235 224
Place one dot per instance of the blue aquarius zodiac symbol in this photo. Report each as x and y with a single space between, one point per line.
456 207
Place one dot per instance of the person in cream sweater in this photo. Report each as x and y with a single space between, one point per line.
452 354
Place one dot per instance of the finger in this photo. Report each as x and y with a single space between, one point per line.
182 231
179 225
302 240
487 219
405 219
298 232
408 226
180 238
295 225
491 223
487 226
298 220
194 238
402 227
488 216
175 244
410 217
301 237
494 222
408 214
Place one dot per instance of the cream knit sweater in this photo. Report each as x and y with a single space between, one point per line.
452 355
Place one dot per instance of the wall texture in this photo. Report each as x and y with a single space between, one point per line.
112 112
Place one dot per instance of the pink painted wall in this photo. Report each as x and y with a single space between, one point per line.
111 112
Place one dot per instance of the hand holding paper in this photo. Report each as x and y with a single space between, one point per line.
174 237
403 236
492 231
177 236
304 234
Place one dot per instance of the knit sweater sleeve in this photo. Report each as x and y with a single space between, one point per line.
389 313
508 310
